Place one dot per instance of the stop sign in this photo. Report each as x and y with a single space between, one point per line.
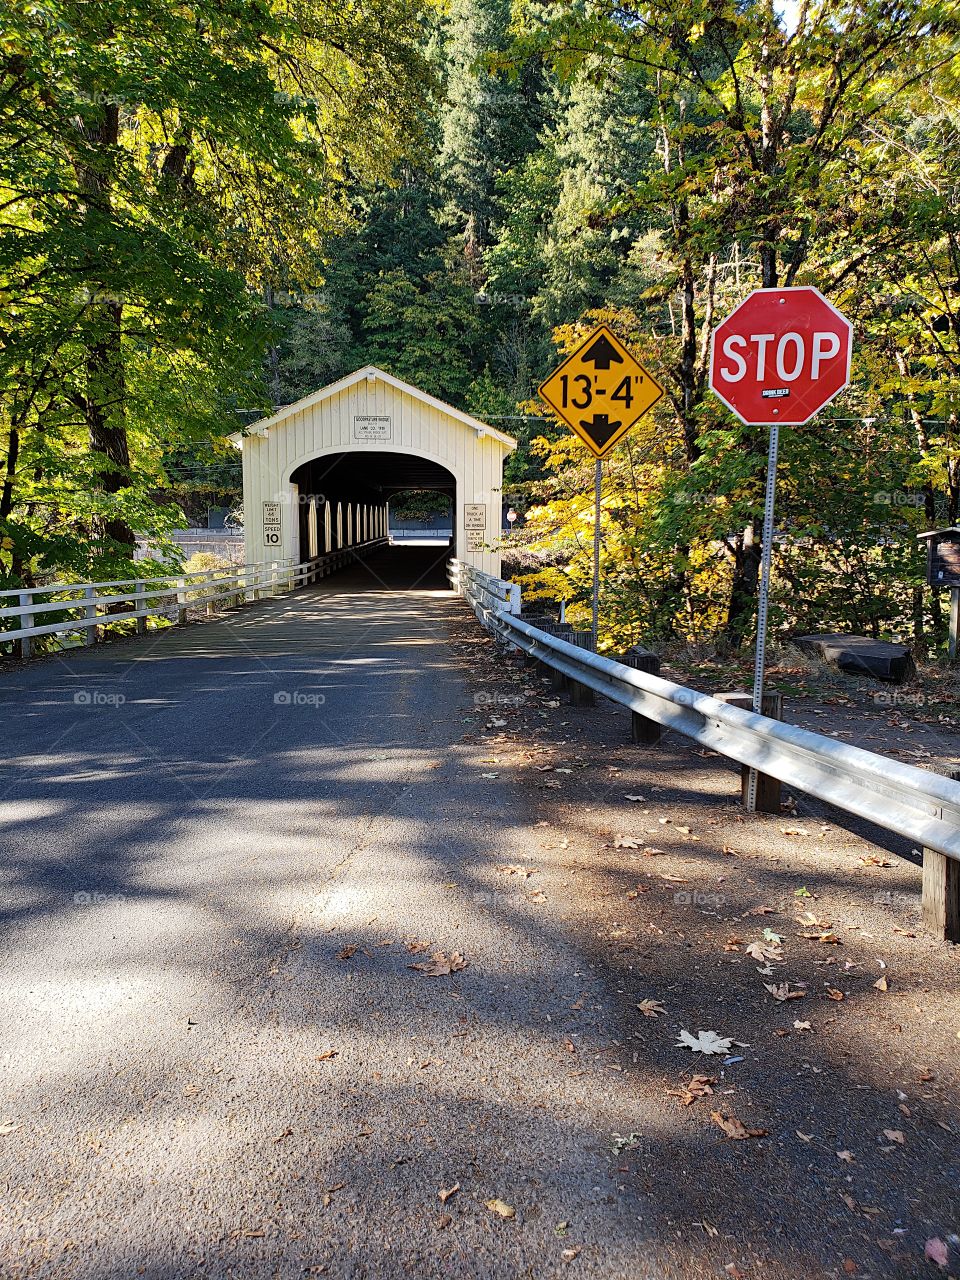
781 356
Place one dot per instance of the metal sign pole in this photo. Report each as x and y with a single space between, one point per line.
763 602
596 555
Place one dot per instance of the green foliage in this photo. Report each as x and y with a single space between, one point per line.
160 165
418 504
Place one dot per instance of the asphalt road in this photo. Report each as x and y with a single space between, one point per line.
225 846
198 829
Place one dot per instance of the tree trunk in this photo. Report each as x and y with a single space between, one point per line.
743 587
105 390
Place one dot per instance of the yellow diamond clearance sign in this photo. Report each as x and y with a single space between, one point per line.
601 391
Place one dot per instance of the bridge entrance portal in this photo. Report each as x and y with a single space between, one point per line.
319 475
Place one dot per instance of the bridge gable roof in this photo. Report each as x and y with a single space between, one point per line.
367 372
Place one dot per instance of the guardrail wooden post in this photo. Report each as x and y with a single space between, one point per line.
25 599
643 731
208 583
768 788
140 591
563 631
581 695
89 611
940 896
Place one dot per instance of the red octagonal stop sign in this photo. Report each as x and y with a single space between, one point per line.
781 356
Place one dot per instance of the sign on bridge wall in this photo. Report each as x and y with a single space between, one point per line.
272 525
372 426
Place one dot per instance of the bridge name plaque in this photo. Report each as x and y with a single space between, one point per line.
372 426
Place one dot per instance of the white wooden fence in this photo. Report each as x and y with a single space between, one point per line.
62 608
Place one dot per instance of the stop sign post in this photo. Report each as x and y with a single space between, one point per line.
779 357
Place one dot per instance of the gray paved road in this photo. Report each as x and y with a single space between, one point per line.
202 1077
224 847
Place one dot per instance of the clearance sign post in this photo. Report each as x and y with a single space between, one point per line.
778 358
600 392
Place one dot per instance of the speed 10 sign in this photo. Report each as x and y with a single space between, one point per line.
781 356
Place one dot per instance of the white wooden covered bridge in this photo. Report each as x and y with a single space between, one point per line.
319 474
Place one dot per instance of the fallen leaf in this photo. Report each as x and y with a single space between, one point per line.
834 994
443 1222
627 842
882 984
849 1266
704 1042
847 1157
802 1026
895 1135
568 1255
439 965
651 1008
327 1055
795 831
501 1208
698 1087
635 798
765 951
346 952
935 1251
450 1191
734 1128
783 991
822 937
7 1128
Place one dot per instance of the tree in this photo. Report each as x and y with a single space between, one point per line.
159 166
759 153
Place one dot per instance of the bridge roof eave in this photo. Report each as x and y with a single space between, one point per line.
371 371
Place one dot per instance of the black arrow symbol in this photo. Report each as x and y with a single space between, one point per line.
599 428
602 354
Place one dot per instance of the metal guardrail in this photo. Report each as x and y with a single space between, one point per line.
898 797
486 593
167 596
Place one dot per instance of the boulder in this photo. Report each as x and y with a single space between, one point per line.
861 656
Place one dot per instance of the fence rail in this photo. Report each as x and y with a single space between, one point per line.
81 605
898 797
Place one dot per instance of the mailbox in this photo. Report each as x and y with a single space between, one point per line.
943 557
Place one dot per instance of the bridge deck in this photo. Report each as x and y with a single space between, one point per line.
170 1041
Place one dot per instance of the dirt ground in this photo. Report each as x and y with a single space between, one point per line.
824 1139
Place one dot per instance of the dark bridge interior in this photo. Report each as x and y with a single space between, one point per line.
370 477
367 479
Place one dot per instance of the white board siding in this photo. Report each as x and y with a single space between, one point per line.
472 453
